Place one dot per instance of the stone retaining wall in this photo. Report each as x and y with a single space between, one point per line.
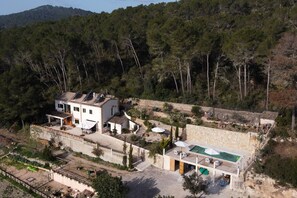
79 144
75 143
237 141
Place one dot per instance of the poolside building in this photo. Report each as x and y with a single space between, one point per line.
230 155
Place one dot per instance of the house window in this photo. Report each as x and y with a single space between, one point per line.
76 121
91 111
75 109
111 111
60 106
84 110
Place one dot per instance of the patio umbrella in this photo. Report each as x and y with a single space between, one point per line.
158 130
181 144
211 151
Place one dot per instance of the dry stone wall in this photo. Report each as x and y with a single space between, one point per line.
237 141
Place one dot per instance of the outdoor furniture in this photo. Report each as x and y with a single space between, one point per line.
217 163
184 154
176 152
207 160
203 171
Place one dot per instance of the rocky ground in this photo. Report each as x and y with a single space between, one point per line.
264 187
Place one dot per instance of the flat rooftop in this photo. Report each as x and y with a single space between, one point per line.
225 166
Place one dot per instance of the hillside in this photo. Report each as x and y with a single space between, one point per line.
239 55
39 14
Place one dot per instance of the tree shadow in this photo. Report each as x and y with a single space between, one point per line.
213 186
142 187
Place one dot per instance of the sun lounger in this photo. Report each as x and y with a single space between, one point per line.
184 154
217 163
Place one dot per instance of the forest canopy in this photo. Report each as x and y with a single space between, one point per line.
230 54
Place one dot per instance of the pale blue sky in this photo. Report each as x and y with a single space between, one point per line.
14 6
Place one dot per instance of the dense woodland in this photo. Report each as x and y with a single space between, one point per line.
223 53
39 14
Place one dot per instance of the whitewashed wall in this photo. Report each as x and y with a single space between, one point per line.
70 182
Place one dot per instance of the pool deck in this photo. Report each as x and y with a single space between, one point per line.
226 167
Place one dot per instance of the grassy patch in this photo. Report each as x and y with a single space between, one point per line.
9 162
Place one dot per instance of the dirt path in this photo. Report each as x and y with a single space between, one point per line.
113 171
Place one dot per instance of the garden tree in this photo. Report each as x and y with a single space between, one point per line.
164 143
167 108
130 165
196 110
171 138
194 183
154 149
47 154
98 152
108 186
125 153
176 132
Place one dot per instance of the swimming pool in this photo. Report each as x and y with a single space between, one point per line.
222 155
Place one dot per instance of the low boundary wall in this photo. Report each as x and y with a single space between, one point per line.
68 181
23 183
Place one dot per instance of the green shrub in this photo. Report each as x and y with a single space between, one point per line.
284 170
142 142
125 130
196 110
134 138
167 108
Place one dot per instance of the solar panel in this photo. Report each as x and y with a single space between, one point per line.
77 95
100 98
89 96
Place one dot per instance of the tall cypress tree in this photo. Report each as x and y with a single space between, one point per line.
176 132
130 157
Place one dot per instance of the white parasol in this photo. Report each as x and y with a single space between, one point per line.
158 130
181 144
211 151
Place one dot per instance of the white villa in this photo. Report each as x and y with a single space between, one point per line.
90 112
